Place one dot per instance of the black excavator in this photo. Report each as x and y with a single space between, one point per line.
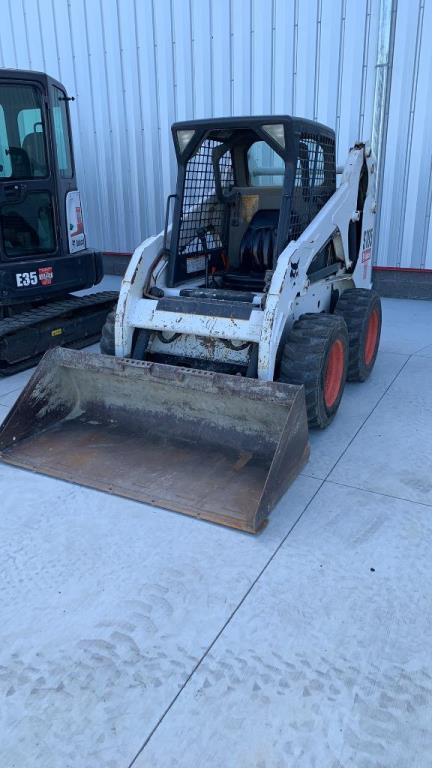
43 252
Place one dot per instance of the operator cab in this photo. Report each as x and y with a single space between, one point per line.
246 187
30 116
41 225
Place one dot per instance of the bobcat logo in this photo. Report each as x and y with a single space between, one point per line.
366 250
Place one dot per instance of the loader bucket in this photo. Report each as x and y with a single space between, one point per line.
218 447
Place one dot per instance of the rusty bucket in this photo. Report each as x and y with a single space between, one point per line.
218 447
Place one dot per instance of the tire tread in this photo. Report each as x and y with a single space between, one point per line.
304 356
355 306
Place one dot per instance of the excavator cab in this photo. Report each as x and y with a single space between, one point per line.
41 224
43 252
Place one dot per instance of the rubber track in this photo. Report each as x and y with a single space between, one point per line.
50 311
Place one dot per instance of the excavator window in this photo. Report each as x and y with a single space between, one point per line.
30 128
62 134
5 161
28 226
22 134
26 211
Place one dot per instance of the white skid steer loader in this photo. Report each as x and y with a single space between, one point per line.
235 328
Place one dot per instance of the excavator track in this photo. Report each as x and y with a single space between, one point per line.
75 321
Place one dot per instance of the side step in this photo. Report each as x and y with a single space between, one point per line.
214 446
75 321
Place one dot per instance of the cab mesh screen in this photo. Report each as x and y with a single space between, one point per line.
200 207
315 180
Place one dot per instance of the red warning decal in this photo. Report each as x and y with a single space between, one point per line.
46 275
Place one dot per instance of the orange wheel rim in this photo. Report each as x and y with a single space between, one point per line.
371 337
334 372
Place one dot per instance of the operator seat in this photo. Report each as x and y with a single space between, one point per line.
34 146
259 242
20 163
257 249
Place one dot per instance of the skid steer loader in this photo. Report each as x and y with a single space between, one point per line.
235 328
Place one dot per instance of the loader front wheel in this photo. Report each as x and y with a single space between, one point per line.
361 310
316 355
107 345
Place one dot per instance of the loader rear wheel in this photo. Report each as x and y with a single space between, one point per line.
361 310
316 355
107 344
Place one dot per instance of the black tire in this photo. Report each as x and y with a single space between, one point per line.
361 310
308 358
107 346
140 344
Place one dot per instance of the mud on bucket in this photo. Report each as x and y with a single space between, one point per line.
214 446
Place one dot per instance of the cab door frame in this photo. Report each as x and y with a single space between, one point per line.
15 190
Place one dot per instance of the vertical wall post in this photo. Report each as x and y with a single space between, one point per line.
383 77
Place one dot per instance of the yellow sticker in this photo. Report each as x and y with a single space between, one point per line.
57 332
249 206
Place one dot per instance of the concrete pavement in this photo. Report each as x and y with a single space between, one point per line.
135 636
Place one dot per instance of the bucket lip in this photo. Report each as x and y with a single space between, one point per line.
250 524
241 386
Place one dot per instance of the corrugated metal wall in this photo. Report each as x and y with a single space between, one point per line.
405 216
137 65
